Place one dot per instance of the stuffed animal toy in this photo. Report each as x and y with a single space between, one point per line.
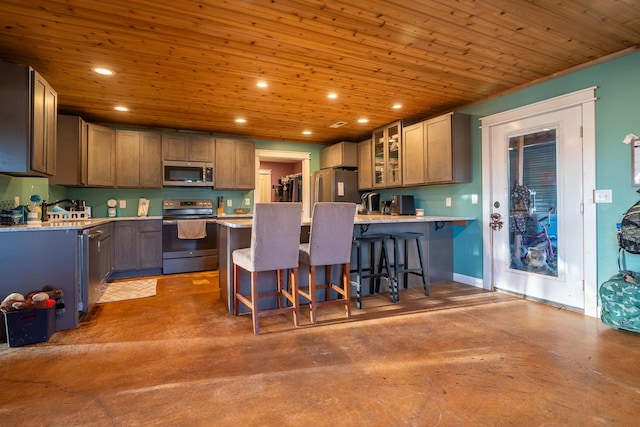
7 303
17 301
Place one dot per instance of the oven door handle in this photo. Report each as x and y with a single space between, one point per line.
175 221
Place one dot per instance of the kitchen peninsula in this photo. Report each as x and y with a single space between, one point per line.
437 244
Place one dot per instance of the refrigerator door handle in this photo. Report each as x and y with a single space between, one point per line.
317 188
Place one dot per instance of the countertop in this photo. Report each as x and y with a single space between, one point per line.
232 221
361 219
73 225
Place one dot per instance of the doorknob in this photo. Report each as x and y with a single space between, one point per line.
496 221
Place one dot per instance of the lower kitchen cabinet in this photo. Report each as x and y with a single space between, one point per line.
29 260
137 248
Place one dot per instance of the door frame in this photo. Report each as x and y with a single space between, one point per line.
290 157
585 98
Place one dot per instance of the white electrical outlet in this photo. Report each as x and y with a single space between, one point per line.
447 201
229 202
246 201
123 204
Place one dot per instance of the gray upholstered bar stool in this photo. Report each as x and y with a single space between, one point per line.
329 245
401 261
373 271
275 237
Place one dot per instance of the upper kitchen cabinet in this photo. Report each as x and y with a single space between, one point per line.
386 144
365 174
188 148
235 165
28 121
100 166
340 155
71 154
438 151
139 159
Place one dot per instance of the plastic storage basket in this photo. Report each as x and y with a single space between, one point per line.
29 326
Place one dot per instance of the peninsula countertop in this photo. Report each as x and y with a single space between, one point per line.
361 219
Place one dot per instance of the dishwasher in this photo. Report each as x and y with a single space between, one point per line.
91 267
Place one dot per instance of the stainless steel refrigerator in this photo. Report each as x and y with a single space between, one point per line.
334 185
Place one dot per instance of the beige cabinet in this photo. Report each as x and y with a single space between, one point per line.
414 154
28 122
71 154
235 165
188 148
138 157
343 154
100 163
365 171
438 151
386 151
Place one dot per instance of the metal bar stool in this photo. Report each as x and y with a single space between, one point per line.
401 264
373 272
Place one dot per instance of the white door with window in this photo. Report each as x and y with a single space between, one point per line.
535 199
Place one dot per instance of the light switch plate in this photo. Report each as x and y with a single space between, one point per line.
123 204
474 199
246 201
602 196
447 201
229 202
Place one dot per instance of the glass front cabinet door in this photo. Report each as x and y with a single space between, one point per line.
386 155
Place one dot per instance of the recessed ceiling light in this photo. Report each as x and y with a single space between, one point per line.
121 108
103 71
262 84
397 106
332 95
241 120
363 120
306 132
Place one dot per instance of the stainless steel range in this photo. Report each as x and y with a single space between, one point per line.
189 236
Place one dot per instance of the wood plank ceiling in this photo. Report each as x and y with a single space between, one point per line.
193 65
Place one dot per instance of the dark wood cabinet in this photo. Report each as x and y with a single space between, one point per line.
101 157
188 148
235 165
137 245
71 151
139 157
28 122
150 160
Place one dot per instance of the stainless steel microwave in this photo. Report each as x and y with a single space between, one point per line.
188 174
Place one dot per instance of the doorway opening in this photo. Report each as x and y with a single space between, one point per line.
290 160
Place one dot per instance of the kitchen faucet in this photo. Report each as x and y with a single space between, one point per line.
45 206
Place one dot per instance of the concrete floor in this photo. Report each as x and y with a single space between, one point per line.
461 357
